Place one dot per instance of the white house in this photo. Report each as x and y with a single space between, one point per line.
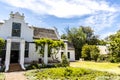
103 49
20 46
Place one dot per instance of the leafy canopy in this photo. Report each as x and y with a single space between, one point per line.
114 47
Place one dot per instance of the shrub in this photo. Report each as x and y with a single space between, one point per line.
90 52
103 57
64 62
114 59
33 65
68 73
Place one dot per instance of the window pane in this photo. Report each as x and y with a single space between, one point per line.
16 29
61 54
68 54
26 53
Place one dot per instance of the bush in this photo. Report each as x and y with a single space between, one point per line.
114 59
33 65
103 57
64 62
90 52
68 73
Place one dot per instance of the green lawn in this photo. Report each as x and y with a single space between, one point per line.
101 66
2 76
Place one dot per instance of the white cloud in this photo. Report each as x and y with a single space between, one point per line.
100 20
106 34
63 8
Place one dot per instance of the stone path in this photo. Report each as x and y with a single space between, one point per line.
15 76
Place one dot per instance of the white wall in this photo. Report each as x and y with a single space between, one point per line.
72 55
6 29
33 54
103 49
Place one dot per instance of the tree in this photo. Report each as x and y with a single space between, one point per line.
114 47
94 52
2 43
53 46
63 36
77 37
91 39
102 42
90 52
86 52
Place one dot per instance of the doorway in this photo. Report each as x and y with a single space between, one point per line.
14 57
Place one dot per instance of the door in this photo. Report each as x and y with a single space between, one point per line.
14 57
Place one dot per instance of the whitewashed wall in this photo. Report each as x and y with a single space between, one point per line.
103 49
72 55
33 54
6 29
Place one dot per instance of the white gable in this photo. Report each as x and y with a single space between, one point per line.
6 28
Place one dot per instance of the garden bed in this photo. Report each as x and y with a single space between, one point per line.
69 73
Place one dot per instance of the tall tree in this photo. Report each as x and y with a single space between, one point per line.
114 47
63 36
77 37
91 39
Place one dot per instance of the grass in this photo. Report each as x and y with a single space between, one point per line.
69 73
100 66
2 76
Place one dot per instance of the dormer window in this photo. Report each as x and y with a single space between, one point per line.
16 29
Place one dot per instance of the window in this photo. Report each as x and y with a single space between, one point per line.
26 49
15 46
26 53
48 55
68 54
16 29
61 54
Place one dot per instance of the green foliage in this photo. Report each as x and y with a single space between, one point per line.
102 42
64 61
77 37
2 43
103 57
68 73
86 52
91 39
53 46
114 48
33 65
2 76
63 36
90 52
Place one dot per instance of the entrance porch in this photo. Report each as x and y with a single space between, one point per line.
15 48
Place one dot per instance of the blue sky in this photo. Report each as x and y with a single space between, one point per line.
103 16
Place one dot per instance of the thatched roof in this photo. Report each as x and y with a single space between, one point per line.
44 33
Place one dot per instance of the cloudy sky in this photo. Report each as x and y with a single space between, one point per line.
103 16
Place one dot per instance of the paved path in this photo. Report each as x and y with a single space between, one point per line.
15 76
